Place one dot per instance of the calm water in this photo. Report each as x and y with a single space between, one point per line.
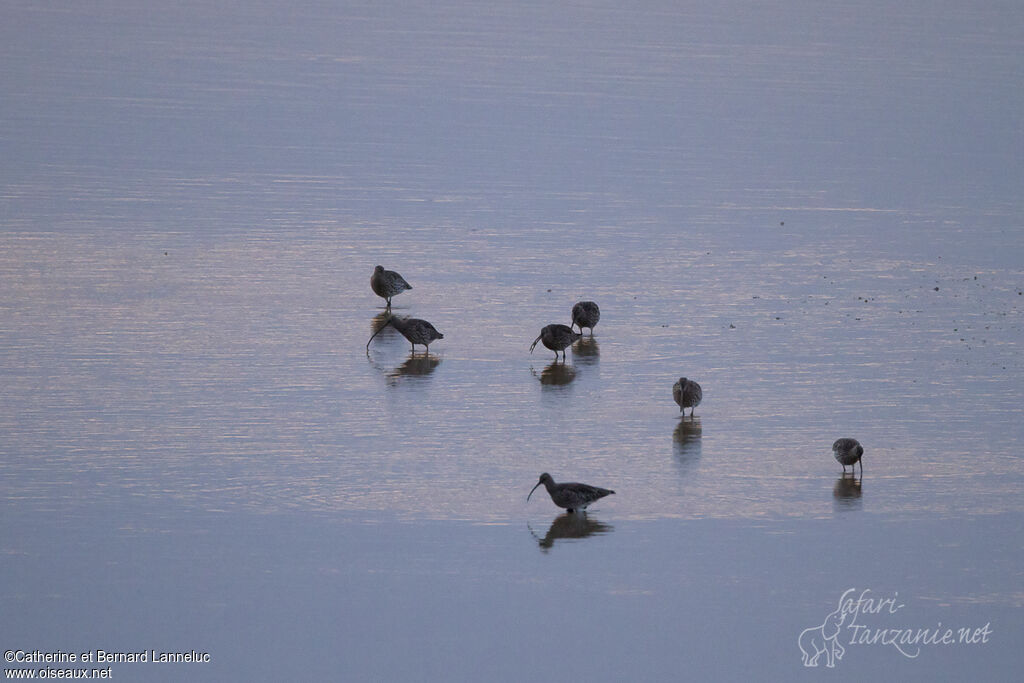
814 211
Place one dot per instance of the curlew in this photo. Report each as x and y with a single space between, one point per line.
387 283
848 452
415 330
557 338
585 314
570 496
687 394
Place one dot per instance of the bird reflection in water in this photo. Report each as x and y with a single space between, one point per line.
586 351
416 365
556 374
847 492
571 526
686 440
379 321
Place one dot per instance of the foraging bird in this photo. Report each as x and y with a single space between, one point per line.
848 452
570 496
687 394
387 283
415 330
585 314
556 337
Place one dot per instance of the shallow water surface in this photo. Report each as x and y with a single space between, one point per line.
812 211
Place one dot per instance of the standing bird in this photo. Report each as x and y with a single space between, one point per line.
687 394
848 452
387 283
585 314
556 337
415 330
570 496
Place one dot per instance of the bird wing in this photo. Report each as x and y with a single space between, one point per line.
585 493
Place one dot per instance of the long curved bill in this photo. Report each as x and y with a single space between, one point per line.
532 346
376 333
532 490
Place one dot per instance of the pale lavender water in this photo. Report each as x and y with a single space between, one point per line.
813 211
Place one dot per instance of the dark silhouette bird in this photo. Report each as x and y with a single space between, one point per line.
848 452
415 330
557 338
387 283
687 394
585 314
570 496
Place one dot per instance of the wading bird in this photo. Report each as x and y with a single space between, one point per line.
570 496
415 330
585 314
556 337
687 394
387 283
848 452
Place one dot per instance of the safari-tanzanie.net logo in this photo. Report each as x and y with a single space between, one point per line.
862 619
